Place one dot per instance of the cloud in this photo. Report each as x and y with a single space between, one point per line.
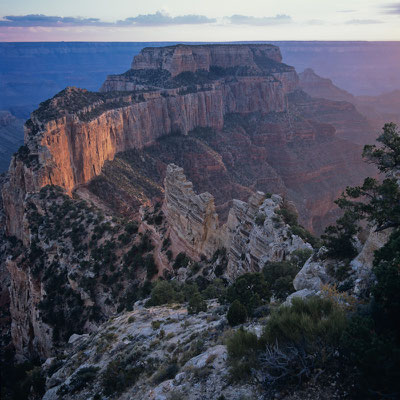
160 18
259 21
363 21
315 22
157 19
46 20
392 8
346 11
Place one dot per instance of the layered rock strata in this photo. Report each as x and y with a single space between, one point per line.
253 234
317 86
69 138
192 218
181 58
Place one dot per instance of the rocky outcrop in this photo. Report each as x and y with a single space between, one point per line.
319 270
362 264
69 138
313 275
253 234
192 218
316 86
30 335
142 344
79 268
182 58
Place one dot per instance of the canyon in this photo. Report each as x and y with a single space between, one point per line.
210 141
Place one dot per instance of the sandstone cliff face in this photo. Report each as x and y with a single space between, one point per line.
182 58
192 218
317 86
30 335
253 234
69 137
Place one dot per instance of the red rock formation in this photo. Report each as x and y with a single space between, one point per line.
182 58
317 86
69 137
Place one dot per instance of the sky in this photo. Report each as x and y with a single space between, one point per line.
199 20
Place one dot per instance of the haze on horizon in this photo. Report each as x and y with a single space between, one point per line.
178 20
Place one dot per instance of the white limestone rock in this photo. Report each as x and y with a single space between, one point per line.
313 274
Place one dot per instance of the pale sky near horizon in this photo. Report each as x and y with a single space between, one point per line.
206 20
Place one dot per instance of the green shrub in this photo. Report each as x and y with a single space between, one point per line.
82 378
279 276
340 239
260 218
251 290
119 375
158 219
146 244
151 267
181 261
300 256
237 313
242 349
312 321
195 268
288 216
169 255
196 304
156 324
166 372
165 292
215 290
375 354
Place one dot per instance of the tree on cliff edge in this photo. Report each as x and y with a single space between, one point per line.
374 201
372 340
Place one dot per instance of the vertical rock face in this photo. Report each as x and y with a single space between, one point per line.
30 335
69 138
182 58
191 217
317 86
253 234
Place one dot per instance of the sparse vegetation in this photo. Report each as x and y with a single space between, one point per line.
166 372
279 276
120 374
251 290
237 313
196 304
181 261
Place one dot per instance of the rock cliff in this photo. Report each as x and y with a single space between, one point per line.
317 86
192 218
182 58
253 234
236 129
68 139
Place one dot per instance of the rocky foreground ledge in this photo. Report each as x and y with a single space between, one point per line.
158 353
